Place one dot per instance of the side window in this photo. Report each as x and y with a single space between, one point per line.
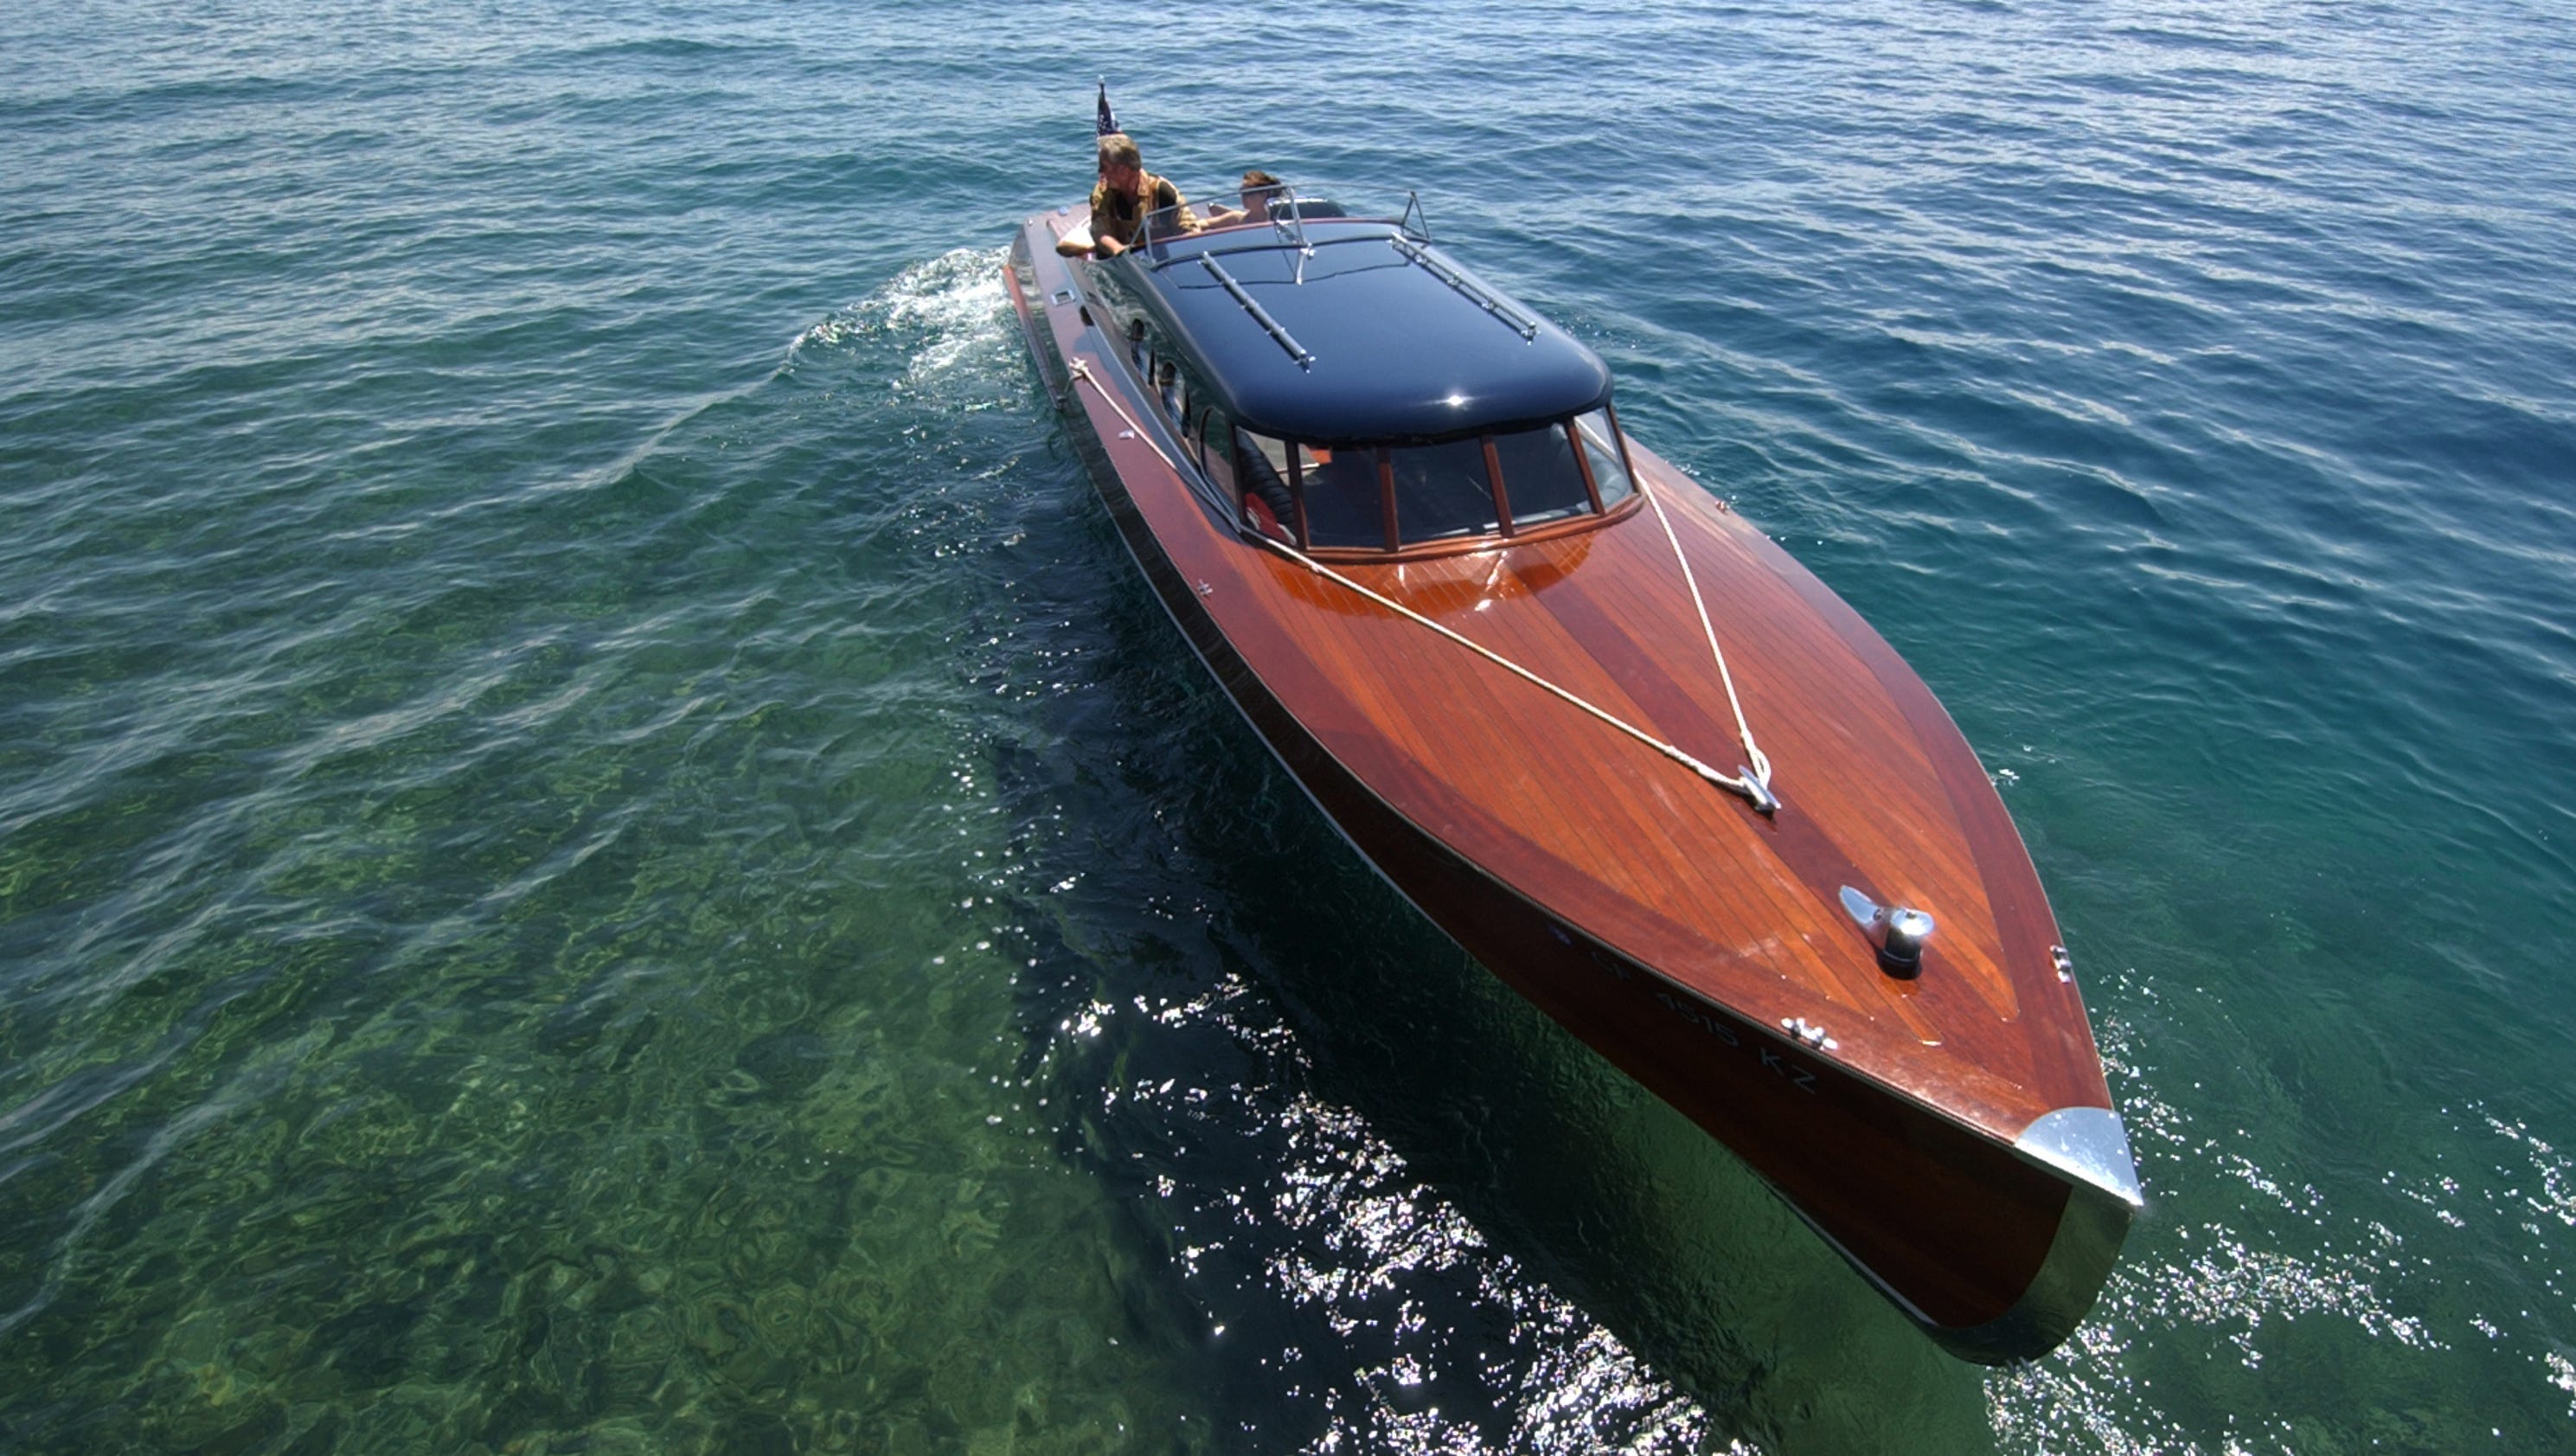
1601 450
1216 454
1261 465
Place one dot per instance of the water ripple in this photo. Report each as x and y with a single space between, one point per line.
598 844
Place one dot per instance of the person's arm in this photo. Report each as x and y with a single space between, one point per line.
1083 240
1170 196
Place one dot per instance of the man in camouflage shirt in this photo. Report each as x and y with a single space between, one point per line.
1125 194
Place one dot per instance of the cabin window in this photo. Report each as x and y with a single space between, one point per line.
1216 452
1607 458
1273 456
1442 491
1261 465
1541 478
1339 490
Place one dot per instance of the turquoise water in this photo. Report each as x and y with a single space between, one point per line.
601 850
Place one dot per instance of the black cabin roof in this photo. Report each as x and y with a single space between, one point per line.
1401 343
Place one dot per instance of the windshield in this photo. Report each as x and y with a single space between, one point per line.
1285 208
1443 491
1541 477
1382 497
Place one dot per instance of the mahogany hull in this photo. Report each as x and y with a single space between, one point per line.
1994 1252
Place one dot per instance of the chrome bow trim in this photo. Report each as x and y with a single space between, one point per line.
2087 1143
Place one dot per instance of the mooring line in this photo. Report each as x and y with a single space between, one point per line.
1753 783
1758 770
1753 789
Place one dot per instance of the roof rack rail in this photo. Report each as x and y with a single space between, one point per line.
1512 318
1304 356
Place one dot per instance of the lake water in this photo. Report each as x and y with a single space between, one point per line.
600 849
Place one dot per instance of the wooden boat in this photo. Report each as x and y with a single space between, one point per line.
1743 854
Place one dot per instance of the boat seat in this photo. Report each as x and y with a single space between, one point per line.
1309 208
1261 478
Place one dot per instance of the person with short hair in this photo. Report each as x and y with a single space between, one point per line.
1120 202
1259 190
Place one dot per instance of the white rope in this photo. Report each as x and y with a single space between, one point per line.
1753 783
1081 370
1760 769
1744 784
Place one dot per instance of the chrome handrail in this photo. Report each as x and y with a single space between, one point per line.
1290 209
1304 356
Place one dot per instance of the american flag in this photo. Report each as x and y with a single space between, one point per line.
1108 118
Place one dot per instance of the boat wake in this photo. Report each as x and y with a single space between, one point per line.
940 314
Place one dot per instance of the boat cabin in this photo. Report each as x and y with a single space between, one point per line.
1348 389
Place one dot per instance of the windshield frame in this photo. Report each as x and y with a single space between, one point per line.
1505 531
1290 205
